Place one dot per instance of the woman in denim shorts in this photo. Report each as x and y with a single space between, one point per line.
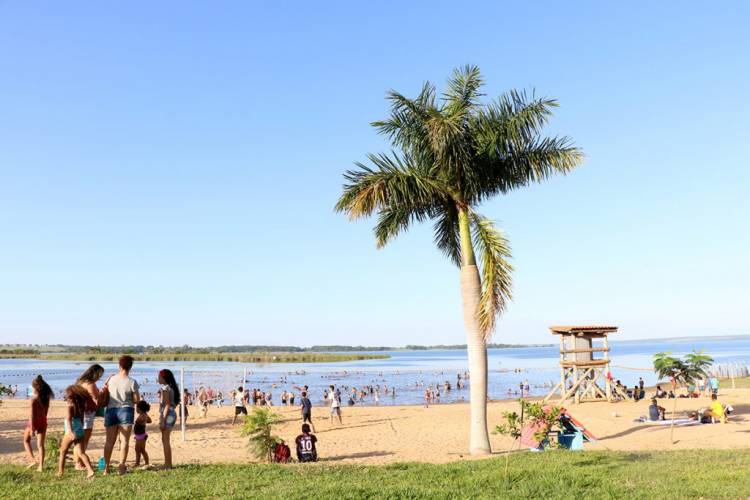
123 395
169 400
88 380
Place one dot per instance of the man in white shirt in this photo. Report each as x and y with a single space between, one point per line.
335 399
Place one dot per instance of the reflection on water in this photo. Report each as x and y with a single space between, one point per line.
409 372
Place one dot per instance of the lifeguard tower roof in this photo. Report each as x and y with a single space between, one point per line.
585 329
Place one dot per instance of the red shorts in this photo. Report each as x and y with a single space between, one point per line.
39 425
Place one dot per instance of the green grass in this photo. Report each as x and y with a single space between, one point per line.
259 357
556 474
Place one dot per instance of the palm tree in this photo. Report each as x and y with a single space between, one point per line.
455 152
681 372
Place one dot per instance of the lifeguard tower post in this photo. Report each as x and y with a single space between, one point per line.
580 370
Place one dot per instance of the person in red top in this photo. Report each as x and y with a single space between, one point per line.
305 442
37 425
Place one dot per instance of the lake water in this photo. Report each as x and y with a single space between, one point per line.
408 371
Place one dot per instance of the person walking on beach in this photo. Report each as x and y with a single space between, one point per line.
203 401
76 397
335 400
713 383
306 410
168 401
37 424
123 393
184 405
239 404
88 380
701 385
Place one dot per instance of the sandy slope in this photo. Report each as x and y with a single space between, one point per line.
405 433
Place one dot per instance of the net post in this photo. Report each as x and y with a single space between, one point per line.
182 405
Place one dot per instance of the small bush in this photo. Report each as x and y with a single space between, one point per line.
258 428
52 445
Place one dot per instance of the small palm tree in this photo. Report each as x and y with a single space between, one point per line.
454 153
258 428
682 372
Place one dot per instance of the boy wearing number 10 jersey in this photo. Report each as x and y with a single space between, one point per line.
306 451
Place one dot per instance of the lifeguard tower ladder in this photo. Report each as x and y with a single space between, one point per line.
580 371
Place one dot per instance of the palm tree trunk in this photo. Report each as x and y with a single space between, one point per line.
674 413
471 290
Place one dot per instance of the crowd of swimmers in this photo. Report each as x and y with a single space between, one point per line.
118 402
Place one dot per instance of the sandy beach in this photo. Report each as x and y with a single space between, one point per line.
379 435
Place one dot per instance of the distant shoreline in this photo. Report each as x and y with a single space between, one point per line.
48 350
269 353
262 358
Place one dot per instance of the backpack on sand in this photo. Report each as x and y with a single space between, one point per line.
282 454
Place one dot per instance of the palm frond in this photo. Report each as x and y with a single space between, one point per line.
406 125
392 221
494 252
447 236
516 167
513 117
398 190
510 150
463 87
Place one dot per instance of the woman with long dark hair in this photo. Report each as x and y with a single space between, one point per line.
88 380
169 399
37 425
76 397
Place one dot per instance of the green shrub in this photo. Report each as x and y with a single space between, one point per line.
258 428
52 446
546 416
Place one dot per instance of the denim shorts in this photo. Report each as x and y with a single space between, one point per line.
171 418
77 429
88 419
118 416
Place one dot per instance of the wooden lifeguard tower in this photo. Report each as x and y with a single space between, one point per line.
580 370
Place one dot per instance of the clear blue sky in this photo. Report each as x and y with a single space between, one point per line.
168 170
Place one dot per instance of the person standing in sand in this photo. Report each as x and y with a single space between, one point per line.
123 393
184 405
335 400
203 401
306 410
240 400
37 424
139 432
169 400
